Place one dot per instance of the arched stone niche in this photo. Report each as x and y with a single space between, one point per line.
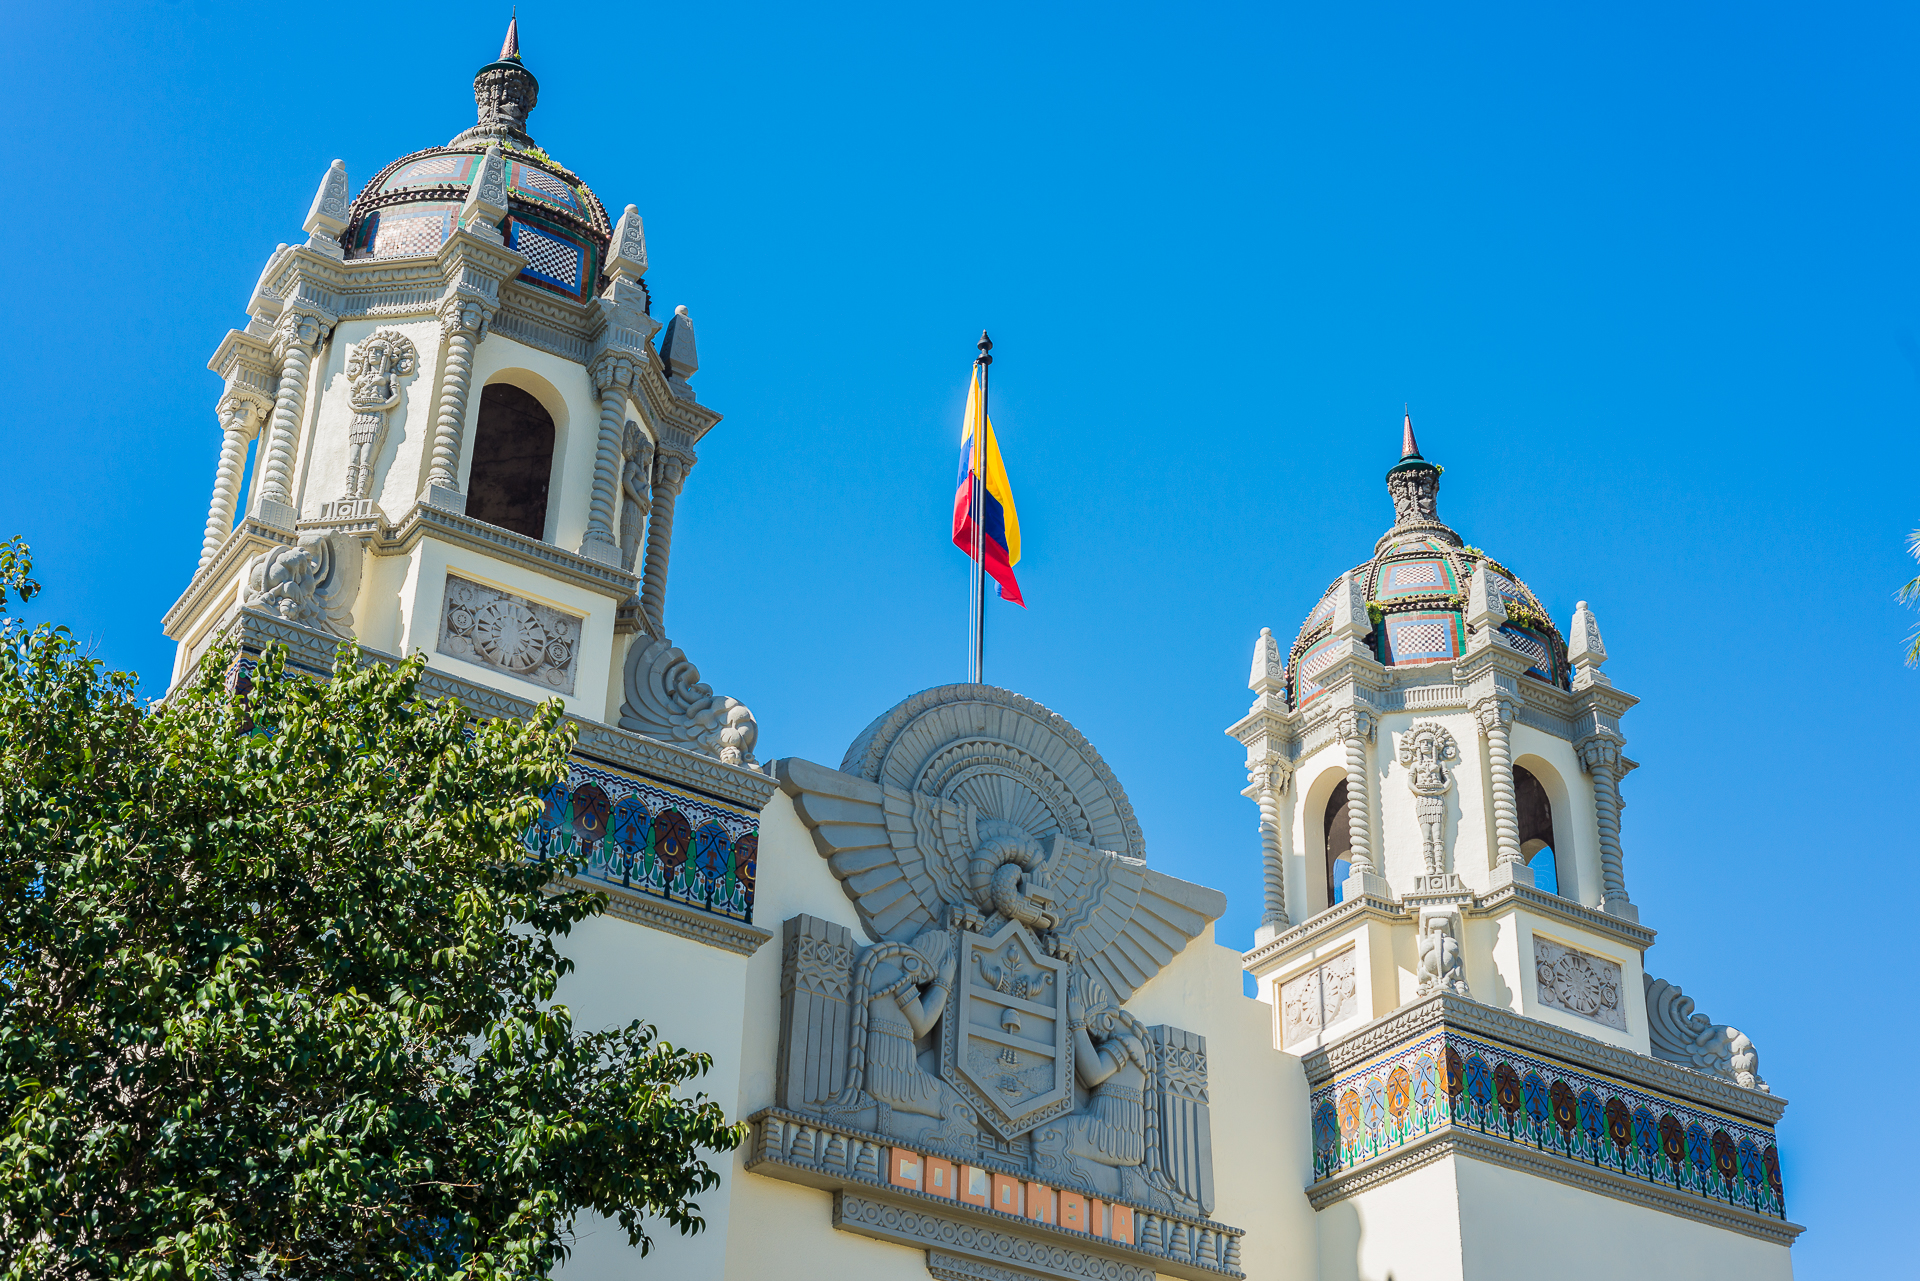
1566 862
1313 845
502 482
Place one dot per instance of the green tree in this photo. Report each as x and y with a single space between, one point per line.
1907 595
276 982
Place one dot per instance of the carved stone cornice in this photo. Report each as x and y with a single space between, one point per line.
245 360
672 918
1316 929
1565 910
1411 1022
975 1230
313 652
490 540
248 538
1454 1141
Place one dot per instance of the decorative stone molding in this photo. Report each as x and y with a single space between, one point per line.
666 699
1578 983
627 253
510 634
375 367
486 203
311 584
856 1165
671 918
1585 650
1466 1143
1692 1040
516 549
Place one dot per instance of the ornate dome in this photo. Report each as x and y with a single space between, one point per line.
1416 590
413 205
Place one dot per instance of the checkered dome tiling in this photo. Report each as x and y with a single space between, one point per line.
547 256
431 167
398 236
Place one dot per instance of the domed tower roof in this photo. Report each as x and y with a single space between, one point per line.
1416 588
412 206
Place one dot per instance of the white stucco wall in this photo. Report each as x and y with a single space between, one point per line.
1406 1230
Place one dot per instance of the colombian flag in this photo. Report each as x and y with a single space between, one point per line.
982 467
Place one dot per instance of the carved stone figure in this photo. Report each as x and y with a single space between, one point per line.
375 368
666 700
1679 1035
1441 967
1416 496
899 992
313 583
1112 1058
1429 753
636 498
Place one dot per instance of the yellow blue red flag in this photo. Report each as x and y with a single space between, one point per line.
980 466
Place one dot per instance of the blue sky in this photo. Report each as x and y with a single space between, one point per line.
1646 275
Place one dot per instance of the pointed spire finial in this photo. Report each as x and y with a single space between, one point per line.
510 47
1409 447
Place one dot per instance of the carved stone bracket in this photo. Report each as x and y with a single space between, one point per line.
667 700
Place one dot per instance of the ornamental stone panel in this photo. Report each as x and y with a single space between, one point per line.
493 628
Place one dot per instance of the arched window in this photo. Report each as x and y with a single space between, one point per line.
1339 835
1536 829
512 461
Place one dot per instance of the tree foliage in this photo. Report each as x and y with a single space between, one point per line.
277 979
1907 595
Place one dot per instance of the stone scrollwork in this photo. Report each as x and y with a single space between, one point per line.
375 368
1679 1035
666 700
313 583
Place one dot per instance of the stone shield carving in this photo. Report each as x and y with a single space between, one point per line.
1004 1049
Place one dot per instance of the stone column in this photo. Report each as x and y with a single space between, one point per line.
298 337
669 474
1357 725
239 423
613 379
1601 756
463 323
1496 716
1269 779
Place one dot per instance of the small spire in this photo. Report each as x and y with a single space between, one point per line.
1409 447
510 47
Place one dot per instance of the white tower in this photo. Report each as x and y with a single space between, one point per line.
1448 941
464 436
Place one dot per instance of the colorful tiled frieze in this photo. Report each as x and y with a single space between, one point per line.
1454 1078
652 837
999 1214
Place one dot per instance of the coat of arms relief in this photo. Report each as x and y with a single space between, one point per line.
1008 915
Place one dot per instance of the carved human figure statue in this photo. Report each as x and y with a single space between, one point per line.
1428 751
375 369
899 992
1112 1060
1441 969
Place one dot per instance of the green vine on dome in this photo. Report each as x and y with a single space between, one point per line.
1376 612
1527 616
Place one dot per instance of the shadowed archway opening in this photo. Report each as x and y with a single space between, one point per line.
1535 814
512 461
1339 834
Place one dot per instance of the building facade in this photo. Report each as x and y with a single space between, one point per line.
977 1035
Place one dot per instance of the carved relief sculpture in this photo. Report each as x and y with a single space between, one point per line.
313 583
636 491
509 633
1441 965
1588 986
1324 997
667 700
1429 754
374 369
972 862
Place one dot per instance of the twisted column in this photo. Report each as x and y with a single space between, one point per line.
463 322
1601 756
1356 727
613 379
1270 779
239 423
1496 715
669 473
300 334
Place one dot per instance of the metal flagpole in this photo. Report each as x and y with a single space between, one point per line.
984 361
